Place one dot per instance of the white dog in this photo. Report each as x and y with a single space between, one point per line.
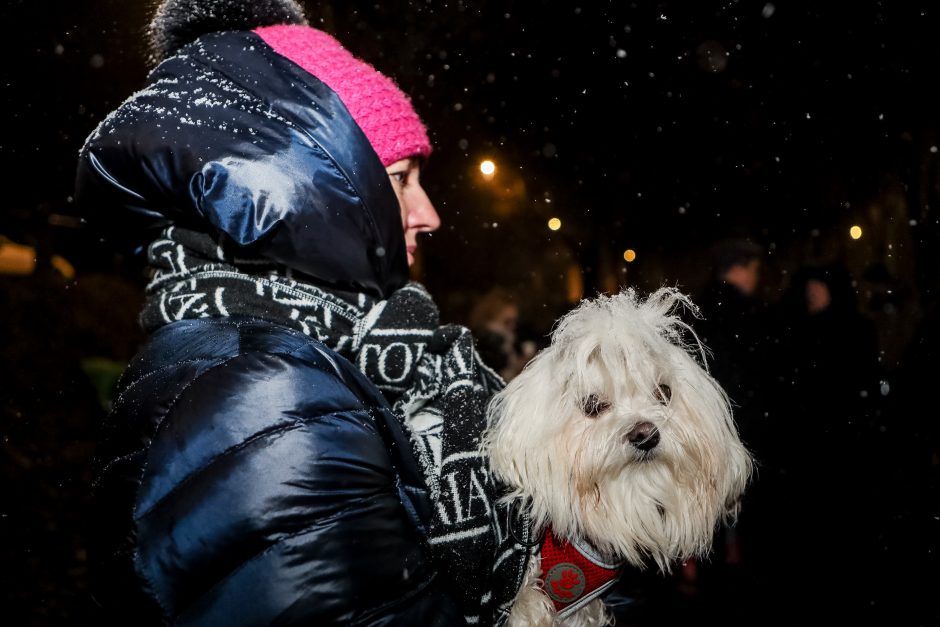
620 447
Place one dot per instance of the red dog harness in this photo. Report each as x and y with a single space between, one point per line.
573 575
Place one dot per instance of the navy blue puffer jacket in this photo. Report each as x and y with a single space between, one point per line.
254 477
248 474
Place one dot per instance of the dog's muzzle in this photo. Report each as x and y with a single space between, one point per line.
644 436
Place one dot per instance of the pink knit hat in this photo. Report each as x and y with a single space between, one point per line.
378 106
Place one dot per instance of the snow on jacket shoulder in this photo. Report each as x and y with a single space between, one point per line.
251 476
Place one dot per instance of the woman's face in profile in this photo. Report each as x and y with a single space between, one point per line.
417 213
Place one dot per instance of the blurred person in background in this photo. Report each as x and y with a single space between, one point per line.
494 321
737 332
832 351
827 454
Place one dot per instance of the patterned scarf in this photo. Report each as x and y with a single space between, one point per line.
431 375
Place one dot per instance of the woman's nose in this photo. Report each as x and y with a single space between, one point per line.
421 214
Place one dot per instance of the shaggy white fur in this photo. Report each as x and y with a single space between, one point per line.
617 435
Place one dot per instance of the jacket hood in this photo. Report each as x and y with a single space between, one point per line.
231 138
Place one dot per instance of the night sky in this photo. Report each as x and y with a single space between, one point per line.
662 127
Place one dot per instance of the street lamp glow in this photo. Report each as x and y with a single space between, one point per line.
488 168
629 255
855 232
554 224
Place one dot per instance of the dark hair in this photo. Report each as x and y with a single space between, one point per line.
489 306
733 252
834 276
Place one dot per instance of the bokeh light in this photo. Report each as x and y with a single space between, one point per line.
488 168
855 232
554 224
629 255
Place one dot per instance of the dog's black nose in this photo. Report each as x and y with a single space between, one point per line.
644 436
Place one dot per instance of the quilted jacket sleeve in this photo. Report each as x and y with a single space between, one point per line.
267 496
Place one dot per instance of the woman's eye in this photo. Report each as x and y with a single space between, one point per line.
399 177
663 393
592 405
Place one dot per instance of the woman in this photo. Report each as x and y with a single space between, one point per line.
250 474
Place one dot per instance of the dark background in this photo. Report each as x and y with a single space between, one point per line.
656 126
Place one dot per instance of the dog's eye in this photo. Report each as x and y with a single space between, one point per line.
592 405
663 393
